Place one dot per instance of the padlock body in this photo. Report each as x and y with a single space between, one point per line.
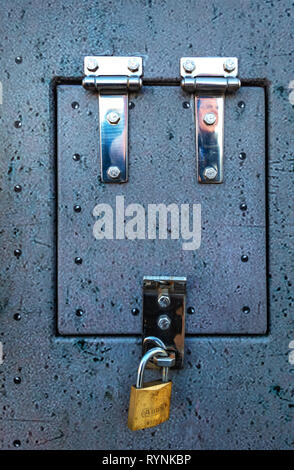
150 405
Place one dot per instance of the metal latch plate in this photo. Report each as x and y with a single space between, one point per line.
164 306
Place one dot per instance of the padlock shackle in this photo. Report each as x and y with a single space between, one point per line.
156 341
145 359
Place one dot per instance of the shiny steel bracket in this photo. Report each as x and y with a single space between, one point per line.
113 78
209 78
164 307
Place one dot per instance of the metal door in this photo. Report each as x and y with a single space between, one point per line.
71 330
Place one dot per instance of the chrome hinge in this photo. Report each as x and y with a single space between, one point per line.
113 78
209 78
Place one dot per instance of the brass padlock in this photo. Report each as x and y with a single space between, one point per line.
149 402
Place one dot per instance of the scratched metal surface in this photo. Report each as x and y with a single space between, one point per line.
162 169
235 392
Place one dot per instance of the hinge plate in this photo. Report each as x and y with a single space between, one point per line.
113 66
209 78
113 78
209 67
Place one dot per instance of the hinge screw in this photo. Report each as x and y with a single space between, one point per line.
209 118
133 65
92 65
210 172
113 172
189 65
164 322
229 65
113 117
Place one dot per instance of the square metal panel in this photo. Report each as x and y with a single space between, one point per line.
227 294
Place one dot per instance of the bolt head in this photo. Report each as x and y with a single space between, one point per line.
133 65
209 118
189 66
164 322
210 172
92 65
164 301
113 172
229 65
113 117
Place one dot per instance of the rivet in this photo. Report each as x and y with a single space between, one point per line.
79 312
241 104
17 252
17 316
18 60
78 260
76 157
186 105
135 311
17 380
16 443
190 310
77 208
17 124
75 105
242 155
243 207
244 258
246 309
17 188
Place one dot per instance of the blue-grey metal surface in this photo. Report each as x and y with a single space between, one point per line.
162 165
58 392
